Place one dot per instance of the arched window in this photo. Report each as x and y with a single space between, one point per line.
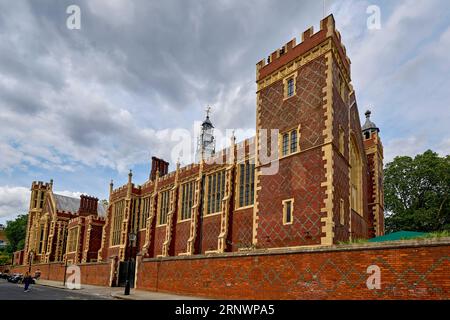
356 177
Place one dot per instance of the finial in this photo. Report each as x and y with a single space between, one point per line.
233 137
368 113
51 183
130 175
111 182
208 111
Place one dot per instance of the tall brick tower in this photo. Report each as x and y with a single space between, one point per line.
374 151
34 236
318 195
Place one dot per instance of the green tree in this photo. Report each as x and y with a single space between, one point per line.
417 193
15 232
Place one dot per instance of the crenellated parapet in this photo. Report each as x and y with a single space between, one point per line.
292 55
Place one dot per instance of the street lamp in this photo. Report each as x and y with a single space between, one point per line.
132 237
30 260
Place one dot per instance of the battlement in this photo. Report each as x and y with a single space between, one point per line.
40 185
310 40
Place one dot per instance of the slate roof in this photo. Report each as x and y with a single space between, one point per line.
70 204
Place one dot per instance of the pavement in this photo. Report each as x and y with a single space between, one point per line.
14 291
54 290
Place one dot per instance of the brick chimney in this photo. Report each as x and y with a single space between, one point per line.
158 165
88 206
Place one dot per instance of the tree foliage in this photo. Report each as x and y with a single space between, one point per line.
16 232
417 193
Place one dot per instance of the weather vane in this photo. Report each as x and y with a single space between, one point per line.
208 110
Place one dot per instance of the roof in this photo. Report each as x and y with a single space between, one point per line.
70 204
101 210
207 123
400 235
369 125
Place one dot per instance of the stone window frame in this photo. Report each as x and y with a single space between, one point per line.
292 76
281 143
356 177
207 199
118 210
165 192
181 203
238 185
145 211
74 231
284 204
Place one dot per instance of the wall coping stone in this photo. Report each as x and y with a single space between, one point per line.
389 245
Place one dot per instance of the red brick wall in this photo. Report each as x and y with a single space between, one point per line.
95 242
409 270
210 232
300 176
92 273
160 235
182 230
341 176
242 229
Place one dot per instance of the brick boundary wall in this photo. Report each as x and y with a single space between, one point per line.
91 273
409 270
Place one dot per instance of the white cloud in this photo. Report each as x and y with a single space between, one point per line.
13 201
73 194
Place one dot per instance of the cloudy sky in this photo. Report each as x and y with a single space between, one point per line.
85 106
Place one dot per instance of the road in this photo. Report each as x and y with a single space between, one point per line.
12 291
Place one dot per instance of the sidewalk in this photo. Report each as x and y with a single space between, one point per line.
117 292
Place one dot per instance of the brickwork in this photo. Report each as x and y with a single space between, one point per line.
210 232
91 273
241 229
409 270
303 90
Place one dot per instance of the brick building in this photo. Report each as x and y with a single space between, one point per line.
317 181
61 227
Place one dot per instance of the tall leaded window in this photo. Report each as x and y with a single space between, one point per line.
135 213
41 239
294 141
41 203
288 208
289 142
119 207
35 197
356 178
164 206
285 144
72 240
187 199
216 191
290 87
145 212
246 184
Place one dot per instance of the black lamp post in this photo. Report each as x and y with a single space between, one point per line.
132 237
30 260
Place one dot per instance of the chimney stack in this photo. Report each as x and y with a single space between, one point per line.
88 206
158 165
